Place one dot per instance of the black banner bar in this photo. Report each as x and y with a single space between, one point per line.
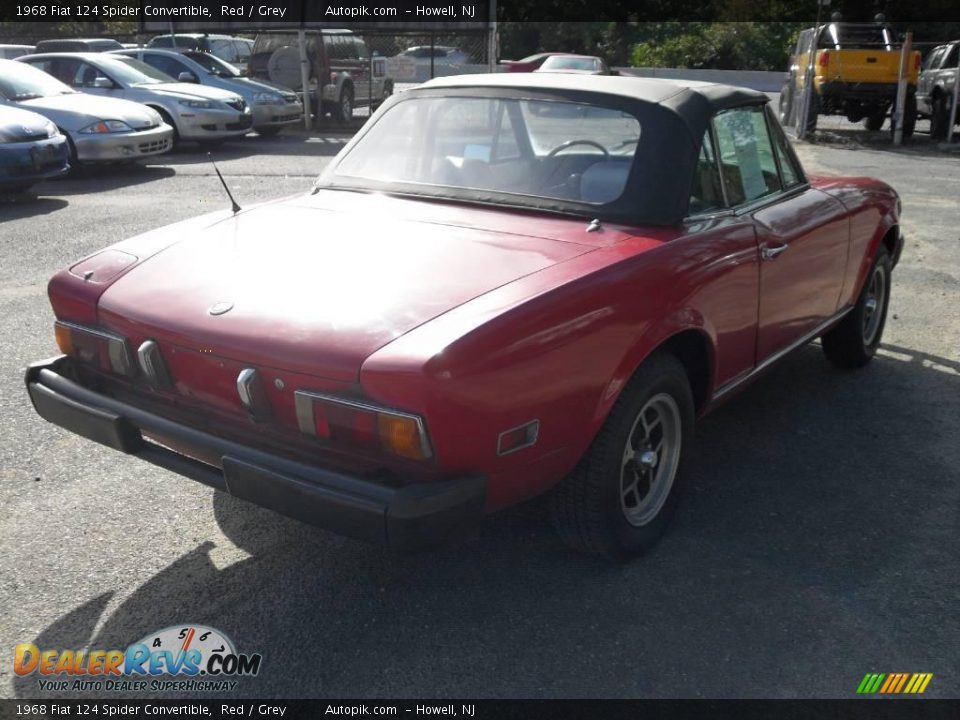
858 709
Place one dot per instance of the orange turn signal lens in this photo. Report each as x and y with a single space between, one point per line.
64 338
400 435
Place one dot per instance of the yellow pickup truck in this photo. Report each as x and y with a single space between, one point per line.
856 69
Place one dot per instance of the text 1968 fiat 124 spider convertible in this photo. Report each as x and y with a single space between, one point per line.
503 285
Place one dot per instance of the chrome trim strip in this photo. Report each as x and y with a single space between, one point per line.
812 335
121 359
303 401
532 438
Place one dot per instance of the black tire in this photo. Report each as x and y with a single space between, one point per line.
909 118
812 113
175 138
854 342
785 105
874 121
343 111
270 131
590 511
939 118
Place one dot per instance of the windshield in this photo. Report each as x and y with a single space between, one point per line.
558 62
131 71
23 82
547 149
182 42
213 65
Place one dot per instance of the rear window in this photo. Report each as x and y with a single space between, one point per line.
543 149
851 37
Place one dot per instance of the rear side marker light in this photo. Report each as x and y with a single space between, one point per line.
97 347
152 365
824 59
518 438
350 423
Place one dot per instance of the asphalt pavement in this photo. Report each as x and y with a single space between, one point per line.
817 541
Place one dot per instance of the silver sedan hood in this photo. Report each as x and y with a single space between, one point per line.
74 111
190 91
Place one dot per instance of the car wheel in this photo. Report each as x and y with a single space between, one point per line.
175 138
874 121
343 112
939 118
269 131
619 499
854 342
785 105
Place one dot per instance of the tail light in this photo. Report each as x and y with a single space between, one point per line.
107 351
333 77
366 427
916 61
823 59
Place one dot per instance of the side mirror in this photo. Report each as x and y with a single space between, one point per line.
187 77
103 83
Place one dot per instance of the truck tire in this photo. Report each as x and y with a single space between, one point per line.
939 118
343 111
874 121
909 118
619 499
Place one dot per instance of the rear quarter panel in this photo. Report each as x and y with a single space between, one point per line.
872 208
560 346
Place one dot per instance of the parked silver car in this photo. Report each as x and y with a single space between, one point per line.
99 129
274 107
204 114
9 52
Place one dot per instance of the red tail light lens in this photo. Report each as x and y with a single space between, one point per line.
823 59
916 61
366 427
96 347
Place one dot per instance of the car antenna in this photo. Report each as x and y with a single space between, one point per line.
236 207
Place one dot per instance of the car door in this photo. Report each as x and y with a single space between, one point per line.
927 78
802 233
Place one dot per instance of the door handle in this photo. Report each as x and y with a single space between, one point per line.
769 253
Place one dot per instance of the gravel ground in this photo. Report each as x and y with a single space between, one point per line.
817 542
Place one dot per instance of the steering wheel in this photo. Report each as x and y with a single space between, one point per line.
570 143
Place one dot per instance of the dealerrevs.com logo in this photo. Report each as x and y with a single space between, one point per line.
186 657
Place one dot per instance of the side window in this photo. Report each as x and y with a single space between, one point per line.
951 61
85 75
747 165
706 194
788 168
165 64
932 60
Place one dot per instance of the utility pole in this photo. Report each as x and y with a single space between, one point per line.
899 110
808 77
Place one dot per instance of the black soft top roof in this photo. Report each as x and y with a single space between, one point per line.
673 114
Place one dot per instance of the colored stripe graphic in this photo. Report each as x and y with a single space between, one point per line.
894 683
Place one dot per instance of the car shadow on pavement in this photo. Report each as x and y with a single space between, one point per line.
921 144
89 179
296 145
28 204
821 508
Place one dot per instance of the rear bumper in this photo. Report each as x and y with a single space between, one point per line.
405 518
865 91
29 162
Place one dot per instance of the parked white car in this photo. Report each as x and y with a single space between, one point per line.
203 114
274 107
99 129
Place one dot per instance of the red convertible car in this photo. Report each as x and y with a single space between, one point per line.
503 285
